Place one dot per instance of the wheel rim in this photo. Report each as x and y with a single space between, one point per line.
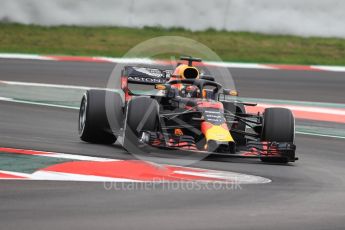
82 115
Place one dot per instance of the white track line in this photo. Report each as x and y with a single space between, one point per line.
329 68
340 112
26 56
59 176
153 62
78 157
245 179
61 155
239 65
320 135
24 175
47 85
58 86
37 103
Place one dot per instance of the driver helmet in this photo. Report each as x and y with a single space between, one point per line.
183 71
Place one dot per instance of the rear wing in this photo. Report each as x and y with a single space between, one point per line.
145 75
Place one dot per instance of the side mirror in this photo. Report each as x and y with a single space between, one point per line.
166 89
230 92
207 77
162 87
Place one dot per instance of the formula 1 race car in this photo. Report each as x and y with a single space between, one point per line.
185 111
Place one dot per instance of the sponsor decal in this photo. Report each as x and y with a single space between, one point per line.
146 80
151 72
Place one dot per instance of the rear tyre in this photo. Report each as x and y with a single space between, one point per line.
278 126
94 126
142 115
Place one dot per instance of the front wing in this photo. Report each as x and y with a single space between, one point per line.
253 149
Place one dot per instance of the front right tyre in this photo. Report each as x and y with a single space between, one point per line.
278 126
142 115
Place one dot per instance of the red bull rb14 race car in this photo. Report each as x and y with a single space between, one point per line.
185 112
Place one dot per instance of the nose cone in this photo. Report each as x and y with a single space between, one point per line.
216 132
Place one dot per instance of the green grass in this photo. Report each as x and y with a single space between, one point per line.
116 41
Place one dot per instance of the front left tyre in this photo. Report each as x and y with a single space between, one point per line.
94 124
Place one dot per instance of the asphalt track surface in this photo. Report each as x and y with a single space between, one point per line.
318 86
308 194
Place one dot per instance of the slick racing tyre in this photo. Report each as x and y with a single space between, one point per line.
278 126
94 125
